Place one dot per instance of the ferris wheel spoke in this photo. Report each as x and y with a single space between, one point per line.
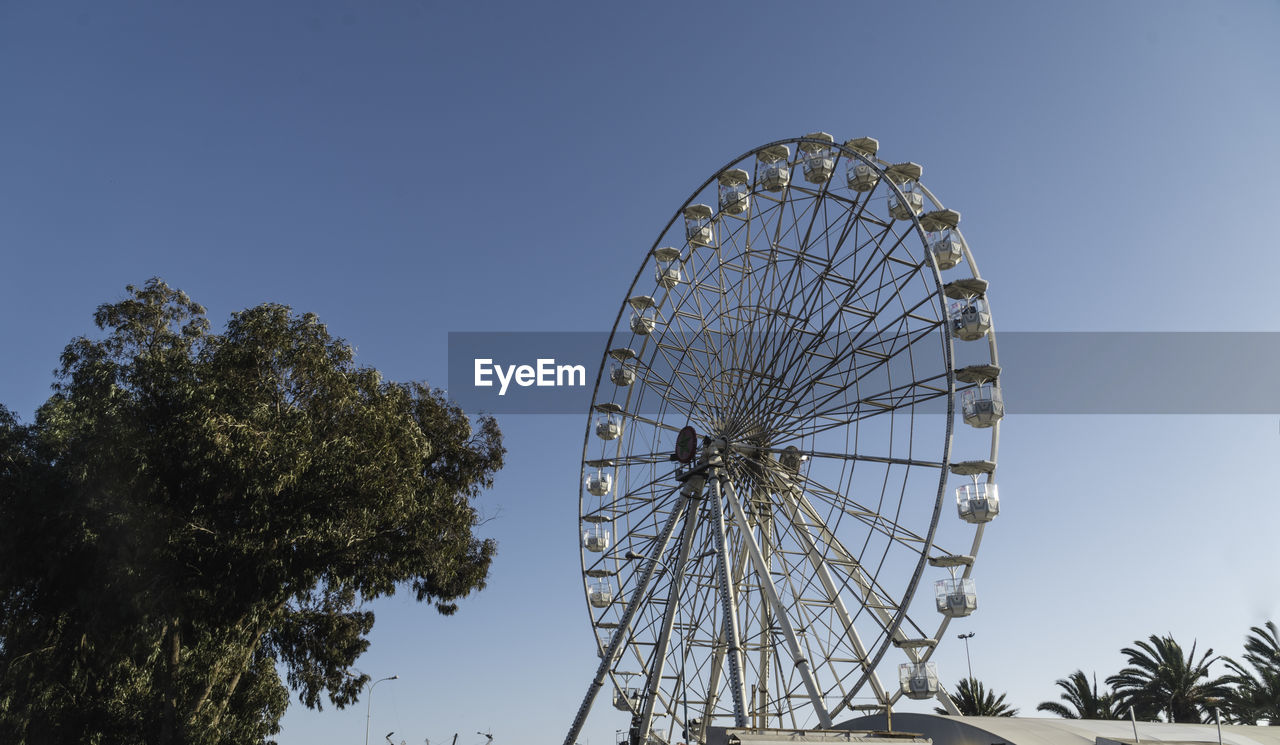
838 227
876 521
763 378
798 656
863 291
823 340
669 615
845 353
731 353
729 614
842 410
657 486
830 412
838 558
644 459
652 381
688 399
818 200
777 253
821 569
719 644
898 334
606 661
678 343
753 452
702 356
845 504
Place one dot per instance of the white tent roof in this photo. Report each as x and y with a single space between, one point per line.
1053 731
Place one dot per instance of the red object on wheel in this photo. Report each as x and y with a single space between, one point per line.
686 444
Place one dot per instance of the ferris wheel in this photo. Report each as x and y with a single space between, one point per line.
770 443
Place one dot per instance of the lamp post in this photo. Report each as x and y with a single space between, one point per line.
969 662
368 712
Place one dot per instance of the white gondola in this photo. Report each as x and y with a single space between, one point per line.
982 406
774 171
623 370
622 373
600 594
735 195
599 483
697 225
970 319
668 272
643 323
819 158
955 597
596 537
978 503
907 177
644 315
919 680
626 699
860 174
946 249
608 427
910 204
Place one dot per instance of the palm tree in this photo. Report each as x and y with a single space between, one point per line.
1256 692
1161 680
974 700
1084 699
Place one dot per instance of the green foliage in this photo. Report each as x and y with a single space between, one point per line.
1160 679
974 700
1085 701
191 512
1255 693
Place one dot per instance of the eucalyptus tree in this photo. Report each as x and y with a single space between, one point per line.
972 699
1160 679
1255 680
1084 699
191 513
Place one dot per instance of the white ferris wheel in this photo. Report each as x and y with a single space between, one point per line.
771 438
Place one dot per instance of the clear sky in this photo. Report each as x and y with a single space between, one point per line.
407 169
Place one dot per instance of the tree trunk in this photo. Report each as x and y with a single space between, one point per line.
250 648
170 728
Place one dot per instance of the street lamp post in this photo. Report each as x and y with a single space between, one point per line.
368 712
968 661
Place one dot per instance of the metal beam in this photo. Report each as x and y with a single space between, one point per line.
645 719
944 698
624 626
780 612
718 650
823 573
729 606
765 522
870 599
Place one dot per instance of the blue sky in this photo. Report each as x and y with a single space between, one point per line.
407 169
